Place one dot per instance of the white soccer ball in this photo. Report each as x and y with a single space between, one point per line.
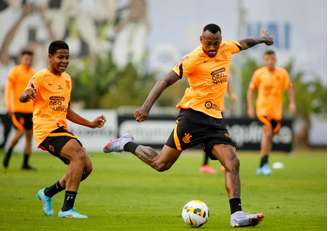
195 213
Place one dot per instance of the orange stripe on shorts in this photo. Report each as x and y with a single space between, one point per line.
176 138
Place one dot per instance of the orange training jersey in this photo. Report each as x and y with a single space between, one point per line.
17 81
208 78
271 86
51 103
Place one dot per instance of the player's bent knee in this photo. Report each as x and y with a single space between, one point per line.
88 167
161 167
80 156
267 130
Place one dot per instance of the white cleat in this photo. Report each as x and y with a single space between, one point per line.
117 145
241 219
265 170
72 213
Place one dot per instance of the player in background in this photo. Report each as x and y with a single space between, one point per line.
270 81
205 167
200 121
50 90
20 114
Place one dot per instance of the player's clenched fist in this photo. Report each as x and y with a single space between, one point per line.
267 39
98 122
28 94
141 115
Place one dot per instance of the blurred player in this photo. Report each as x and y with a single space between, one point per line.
20 114
50 90
200 119
206 168
271 82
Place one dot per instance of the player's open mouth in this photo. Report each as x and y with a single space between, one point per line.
211 53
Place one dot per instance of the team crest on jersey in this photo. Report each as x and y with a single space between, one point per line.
211 105
219 76
187 137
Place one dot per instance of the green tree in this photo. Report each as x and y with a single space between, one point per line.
103 85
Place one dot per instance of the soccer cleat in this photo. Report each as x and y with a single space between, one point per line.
117 145
207 169
241 219
72 213
28 167
46 202
264 170
6 160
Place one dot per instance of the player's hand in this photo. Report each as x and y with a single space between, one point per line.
29 93
141 114
251 113
292 109
267 39
98 122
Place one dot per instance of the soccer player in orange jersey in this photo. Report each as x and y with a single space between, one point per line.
20 114
200 119
271 82
50 90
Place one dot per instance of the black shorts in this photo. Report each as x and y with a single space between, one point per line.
196 128
275 124
22 121
56 141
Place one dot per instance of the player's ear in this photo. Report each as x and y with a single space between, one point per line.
201 38
50 56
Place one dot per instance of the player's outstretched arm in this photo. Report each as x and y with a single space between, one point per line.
250 104
76 118
142 113
250 42
292 101
8 97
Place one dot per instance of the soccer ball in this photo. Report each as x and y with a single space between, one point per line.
195 213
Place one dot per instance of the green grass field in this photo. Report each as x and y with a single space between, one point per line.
124 194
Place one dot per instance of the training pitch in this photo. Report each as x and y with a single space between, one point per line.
124 194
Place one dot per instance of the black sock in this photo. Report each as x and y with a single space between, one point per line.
53 189
206 159
7 156
264 160
130 147
69 200
235 205
26 157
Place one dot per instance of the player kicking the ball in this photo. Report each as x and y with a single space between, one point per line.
200 119
50 90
